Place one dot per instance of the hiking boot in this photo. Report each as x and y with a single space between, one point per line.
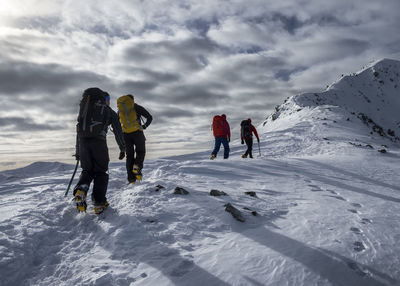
80 200
137 172
212 157
131 178
99 208
244 156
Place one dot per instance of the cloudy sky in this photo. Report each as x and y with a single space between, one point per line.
184 61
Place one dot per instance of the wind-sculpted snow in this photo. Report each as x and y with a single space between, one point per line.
331 220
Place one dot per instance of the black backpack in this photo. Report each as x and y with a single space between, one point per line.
245 129
94 114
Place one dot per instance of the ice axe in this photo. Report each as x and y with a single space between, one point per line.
72 178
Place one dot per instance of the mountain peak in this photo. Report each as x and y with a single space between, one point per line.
368 98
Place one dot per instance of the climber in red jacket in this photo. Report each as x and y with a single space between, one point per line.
246 135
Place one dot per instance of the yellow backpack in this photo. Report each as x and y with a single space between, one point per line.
127 114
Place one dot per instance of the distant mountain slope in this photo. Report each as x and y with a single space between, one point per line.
364 106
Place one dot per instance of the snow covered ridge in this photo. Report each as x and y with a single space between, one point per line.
370 97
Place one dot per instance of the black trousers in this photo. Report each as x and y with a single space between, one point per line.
135 143
93 153
249 143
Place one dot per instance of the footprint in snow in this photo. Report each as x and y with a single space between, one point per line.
356 230
315 188
355 267
339 198
359 246
356 205
354 211
333 192
366 220
129 280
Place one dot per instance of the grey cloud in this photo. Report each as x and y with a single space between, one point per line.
115 31
169 114
264 107
253 72
393 46
327 49
187 55
148 75
351 46
197 96
25 124
44 24
25 77
139 85
329 20
292 23
188 99
174 112
52 88
289 23
164 77
12 46
284 74
201 26
339 48
250 49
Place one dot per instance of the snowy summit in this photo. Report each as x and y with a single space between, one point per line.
318 205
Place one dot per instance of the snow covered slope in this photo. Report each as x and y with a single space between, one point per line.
360 109
320 206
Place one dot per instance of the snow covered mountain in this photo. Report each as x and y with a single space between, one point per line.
370 98
319 205
374 92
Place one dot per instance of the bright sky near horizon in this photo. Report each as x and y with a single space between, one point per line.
184 61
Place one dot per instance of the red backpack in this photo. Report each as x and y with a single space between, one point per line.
218 126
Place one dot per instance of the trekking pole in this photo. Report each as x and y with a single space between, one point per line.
259 150
72 178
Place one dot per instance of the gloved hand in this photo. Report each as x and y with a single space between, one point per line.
242 142
121 155
229 139
258 140
144 126
76 155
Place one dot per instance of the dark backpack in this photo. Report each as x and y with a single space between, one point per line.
94 114
245 129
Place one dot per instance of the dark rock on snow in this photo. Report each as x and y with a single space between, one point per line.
234 212
159 187
251 194
180 191
217 193
254 213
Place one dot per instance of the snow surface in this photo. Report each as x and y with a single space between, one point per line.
327 206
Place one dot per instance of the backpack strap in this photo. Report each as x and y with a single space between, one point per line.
126 111
85 110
